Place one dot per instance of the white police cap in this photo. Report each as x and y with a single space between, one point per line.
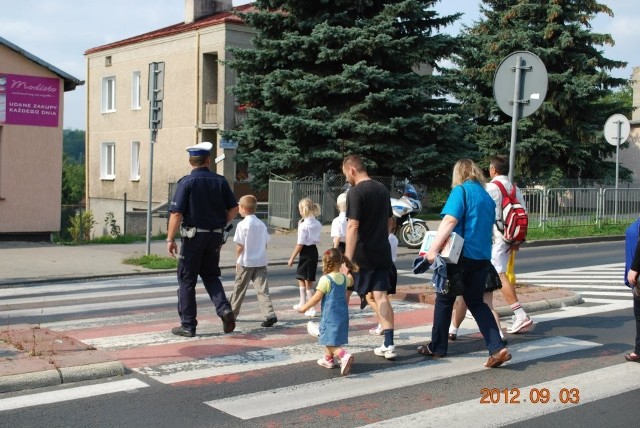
201 149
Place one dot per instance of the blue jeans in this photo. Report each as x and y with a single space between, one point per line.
475 276
636 314
200 255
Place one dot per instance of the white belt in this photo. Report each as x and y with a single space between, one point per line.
208 230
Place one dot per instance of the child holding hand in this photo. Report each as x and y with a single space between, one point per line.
334 321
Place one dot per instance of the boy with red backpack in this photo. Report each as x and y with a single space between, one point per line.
509 231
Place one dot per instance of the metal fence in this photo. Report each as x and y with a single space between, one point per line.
547 207
560 207
284 196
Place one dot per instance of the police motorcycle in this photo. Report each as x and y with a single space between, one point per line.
409 230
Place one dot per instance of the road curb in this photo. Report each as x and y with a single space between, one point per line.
543 305
92 371
31 380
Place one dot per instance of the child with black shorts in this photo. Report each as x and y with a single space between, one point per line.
309 230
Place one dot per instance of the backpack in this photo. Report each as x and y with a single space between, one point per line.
515 221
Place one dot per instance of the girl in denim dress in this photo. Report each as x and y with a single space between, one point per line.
334 324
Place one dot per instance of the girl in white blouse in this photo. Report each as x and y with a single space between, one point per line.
309 230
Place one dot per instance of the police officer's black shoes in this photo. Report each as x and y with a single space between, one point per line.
181 331
228 321
269 322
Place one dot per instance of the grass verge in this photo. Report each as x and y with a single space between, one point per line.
153 261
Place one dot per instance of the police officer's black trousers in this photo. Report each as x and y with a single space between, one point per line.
200 255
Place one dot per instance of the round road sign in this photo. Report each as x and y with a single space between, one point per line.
533 83
616 129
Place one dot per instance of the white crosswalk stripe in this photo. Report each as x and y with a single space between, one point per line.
596 284
70 394
602 383
284 399
144 333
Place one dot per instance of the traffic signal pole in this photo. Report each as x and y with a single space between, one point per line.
156 95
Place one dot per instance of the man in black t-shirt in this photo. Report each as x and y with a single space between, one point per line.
369 216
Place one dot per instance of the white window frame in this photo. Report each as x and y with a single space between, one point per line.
136 90
108 161
109 94
135 161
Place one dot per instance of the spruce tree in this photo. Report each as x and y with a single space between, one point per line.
564 138
329 78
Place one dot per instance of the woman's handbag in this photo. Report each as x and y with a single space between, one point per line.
493 280
455 279
455 272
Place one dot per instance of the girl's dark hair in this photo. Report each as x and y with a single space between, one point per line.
333 258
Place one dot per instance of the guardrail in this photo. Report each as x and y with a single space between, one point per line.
561 207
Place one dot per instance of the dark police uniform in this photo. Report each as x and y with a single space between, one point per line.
203 198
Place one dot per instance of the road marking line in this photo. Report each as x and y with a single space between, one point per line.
296 397
268 358
69 394
591 386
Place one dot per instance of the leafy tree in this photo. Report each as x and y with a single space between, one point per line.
72 181
73 144
564 137
329 78
73 174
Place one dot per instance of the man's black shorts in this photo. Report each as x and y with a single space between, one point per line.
367 280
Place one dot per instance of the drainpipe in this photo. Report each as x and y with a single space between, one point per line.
198 85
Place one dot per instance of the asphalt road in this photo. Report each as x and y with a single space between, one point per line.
600 335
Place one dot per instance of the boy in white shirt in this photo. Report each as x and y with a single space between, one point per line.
251 237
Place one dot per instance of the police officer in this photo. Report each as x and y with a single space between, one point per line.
201 208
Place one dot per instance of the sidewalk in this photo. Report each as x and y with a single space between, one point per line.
33 357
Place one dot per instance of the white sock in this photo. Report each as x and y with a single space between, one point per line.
453 330
303 299
520 313
309 294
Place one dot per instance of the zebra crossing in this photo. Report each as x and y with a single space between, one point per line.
596 284
132 320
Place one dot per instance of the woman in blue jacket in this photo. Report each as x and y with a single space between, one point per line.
469 211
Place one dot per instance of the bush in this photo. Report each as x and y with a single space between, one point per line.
81 224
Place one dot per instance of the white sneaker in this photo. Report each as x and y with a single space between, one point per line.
296 307
376 331
310 313
387 352
345 364
313 328
327 364
519 324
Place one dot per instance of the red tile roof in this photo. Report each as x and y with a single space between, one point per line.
216 19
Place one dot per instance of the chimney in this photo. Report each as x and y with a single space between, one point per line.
198 9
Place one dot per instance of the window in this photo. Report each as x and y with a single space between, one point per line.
135 160
108 161
107 61
108 94
135 90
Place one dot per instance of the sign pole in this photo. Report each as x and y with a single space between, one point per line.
156 95
519 94
619 138
150 190
616 132
514 117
